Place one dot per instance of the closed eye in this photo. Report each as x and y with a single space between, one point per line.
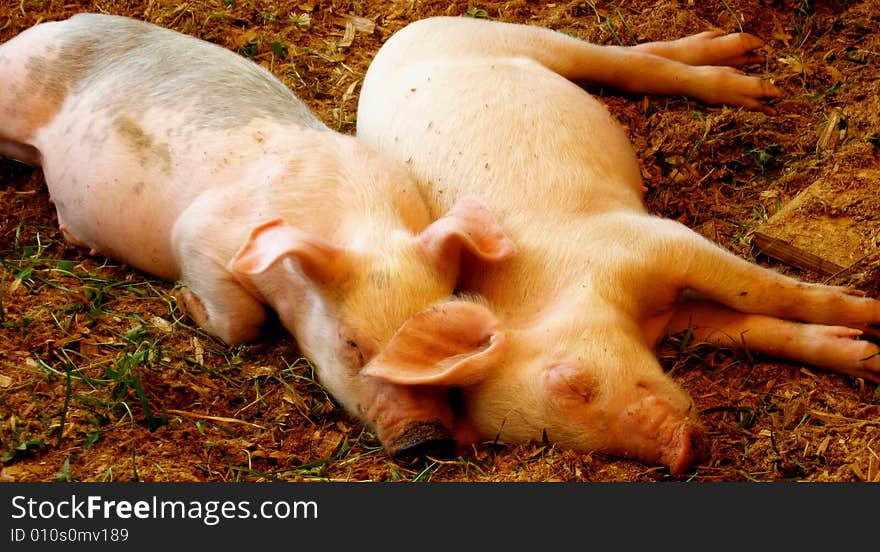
356 351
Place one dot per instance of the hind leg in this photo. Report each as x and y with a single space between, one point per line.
31 92
712 57
708 48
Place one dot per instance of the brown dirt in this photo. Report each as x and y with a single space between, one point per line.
101 378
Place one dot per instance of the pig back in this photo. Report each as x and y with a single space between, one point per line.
137 65
150 119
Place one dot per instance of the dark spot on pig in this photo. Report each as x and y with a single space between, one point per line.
743 293
138 187
52 75
47 82
148 151
42 91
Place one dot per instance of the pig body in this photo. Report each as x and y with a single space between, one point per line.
493 109
189 162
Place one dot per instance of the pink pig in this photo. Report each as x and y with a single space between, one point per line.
491 109
189 162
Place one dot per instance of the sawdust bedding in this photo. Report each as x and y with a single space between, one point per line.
102 378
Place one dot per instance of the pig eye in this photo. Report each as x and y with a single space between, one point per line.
354 352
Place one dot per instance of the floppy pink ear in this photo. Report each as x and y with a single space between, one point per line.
271 241
455 344
468 225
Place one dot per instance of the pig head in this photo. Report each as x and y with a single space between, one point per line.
344 305
610 395
495 110
580 371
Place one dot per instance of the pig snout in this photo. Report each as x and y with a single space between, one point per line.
656 430
689 445
421 440
412 422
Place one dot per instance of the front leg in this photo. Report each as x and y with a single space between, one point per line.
834 348
681 260
750 288
210 294
233 316
221 306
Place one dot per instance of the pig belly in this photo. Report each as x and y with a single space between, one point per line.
116 188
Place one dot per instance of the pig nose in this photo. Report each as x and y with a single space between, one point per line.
421 440
690 446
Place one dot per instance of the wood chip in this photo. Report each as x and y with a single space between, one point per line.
823 446
858 471
161 323
359 24
219 419
831 134
198 351
828 227
348 37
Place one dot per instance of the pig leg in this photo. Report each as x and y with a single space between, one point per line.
708 48
30 95
834 348
211 295
699 66
629 69
714 48
221 306
684 260
750 288
672 259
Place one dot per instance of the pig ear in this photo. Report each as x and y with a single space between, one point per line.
272 241
468 225
451 344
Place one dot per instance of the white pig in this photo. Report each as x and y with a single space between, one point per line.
189 162
492 109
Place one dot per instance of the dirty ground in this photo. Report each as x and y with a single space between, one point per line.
103 379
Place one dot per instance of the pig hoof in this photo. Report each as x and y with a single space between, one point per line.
421 440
